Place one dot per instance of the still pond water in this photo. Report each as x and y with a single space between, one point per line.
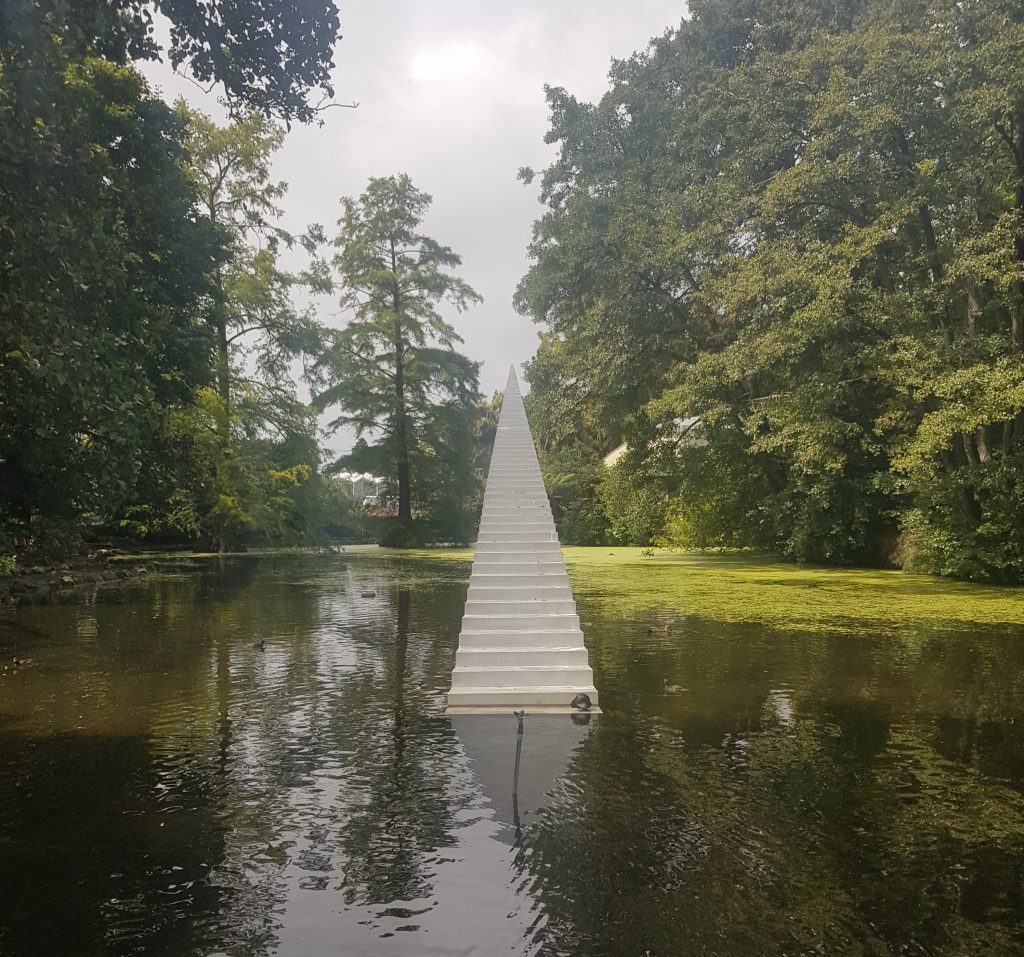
843 773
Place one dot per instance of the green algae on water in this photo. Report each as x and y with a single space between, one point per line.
744 588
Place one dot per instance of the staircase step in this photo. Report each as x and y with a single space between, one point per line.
504 657
517 505
523 606
494 563
539 621
519 593
567 637
499 527
542 676
503 579
524 551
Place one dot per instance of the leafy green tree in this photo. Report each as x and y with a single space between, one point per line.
561 403
571 438
103 261
393 369
123 297
268 56
635 504
488 412
802 223
259 333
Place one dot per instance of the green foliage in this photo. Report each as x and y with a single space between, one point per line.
487 414
266 491
101 258
393 369
130 287
572 477
339 517
268 56
804 225
635 503
259 333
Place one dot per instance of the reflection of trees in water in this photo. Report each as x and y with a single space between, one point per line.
247 734
337 705
226 736
119 820
181 789
339 781
838 816
610 841
400 810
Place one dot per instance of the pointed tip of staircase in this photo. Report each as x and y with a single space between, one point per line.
513 383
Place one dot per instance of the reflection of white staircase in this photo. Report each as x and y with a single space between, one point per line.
521 644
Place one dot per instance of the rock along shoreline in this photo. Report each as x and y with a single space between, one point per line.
42 583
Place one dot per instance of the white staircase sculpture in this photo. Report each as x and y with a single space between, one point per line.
521 644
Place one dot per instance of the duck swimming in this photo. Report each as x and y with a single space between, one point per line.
369 594
671 689
664 630
22 662
260 645
581 702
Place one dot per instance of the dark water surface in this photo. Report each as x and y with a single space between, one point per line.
165 789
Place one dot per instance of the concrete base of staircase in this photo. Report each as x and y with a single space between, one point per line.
508 709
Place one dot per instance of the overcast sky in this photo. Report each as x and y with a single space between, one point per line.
451 92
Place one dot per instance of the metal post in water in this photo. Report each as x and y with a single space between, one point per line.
515 776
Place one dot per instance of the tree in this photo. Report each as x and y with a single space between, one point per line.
802 223
103 264
267 55
259 333
137 269
393 369
251 311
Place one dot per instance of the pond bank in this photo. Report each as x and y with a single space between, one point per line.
781 595
42 583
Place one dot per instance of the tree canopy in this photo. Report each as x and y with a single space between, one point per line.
802 223
101 256
268 55
146 329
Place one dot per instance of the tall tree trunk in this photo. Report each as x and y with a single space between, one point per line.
223 480
402 437
401 430
933 258
220 318
223 372
981 441
1012 134
223 378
